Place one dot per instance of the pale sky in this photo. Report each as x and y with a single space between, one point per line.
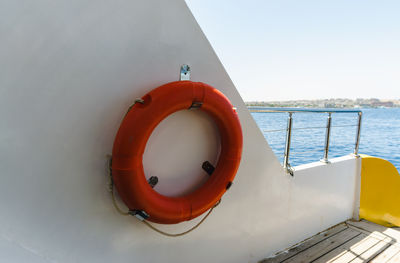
291 49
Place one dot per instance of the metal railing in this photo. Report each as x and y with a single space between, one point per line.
289 129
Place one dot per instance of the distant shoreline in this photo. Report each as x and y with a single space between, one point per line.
328 103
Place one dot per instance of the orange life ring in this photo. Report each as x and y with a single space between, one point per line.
135 130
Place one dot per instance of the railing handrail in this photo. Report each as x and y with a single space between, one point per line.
293 110
290 111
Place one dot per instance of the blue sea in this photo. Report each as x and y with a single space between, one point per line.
380 134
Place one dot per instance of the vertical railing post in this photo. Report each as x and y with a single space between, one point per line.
358 134
327 137
286 164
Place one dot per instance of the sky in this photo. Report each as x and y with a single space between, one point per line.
288 49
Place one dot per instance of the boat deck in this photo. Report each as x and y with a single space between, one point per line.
351 241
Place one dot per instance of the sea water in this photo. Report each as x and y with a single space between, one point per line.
380 134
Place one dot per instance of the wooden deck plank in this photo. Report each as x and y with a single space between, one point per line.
352 241
376 235
395 258
342 250
392 233
294 250
371 252
391 238
387 254
324 246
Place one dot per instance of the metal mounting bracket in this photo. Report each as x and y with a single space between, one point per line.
139 214
196 105
185 72
153 181
208 167
289 170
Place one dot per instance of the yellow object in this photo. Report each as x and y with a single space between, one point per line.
380 192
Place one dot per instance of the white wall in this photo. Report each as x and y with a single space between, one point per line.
68 72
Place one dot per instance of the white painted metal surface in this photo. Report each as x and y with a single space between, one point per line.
68 72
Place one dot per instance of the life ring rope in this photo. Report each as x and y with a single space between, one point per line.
127 213
185 232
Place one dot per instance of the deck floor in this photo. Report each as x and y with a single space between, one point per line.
351 241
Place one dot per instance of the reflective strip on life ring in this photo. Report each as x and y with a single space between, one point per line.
134 132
